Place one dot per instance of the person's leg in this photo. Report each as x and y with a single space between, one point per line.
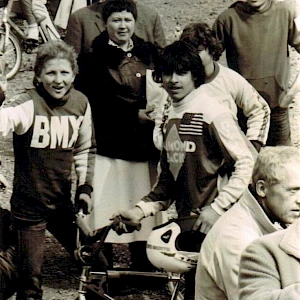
279 132
26 6
41 13
7 257
139 259
30 254
52 7
62 226
33 31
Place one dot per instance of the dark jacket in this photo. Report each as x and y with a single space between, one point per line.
115 83
86 24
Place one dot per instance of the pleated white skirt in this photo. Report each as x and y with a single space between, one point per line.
119 185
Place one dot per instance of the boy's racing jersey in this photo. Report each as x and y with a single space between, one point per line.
200 135
47 140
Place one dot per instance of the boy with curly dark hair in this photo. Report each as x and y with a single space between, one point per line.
229 87
199 136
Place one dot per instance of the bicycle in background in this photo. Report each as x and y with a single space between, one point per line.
13 38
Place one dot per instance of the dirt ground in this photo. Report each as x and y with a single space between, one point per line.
60 276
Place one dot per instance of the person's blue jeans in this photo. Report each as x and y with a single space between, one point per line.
30 249
279 132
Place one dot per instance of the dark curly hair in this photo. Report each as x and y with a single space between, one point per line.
180 57
200 34
112 6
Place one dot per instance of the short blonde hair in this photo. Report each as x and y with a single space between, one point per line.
270 161
52 50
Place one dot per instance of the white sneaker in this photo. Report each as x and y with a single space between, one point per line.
33 32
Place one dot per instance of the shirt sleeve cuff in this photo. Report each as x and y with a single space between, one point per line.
220 211
149 208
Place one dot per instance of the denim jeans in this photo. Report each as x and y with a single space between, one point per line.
7 241
30 249
279 133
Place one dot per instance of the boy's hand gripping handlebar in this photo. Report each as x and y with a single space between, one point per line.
119 224
122 225
93 240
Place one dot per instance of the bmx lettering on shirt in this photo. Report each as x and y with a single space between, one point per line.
58 131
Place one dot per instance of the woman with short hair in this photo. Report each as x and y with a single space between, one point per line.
113 76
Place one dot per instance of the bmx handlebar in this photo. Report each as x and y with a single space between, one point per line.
101 233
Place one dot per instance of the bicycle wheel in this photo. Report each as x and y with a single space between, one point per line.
181 288
12 54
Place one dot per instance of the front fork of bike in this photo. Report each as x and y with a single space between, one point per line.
82 282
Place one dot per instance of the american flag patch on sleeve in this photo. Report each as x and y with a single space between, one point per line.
191 124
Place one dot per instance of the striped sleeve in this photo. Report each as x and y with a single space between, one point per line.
237 147
17 116
85 150
254 107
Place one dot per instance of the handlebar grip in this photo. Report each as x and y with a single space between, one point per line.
130 226
91 236
81 223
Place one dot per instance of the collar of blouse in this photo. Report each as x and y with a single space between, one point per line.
128 47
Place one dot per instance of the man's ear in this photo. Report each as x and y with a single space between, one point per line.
260 188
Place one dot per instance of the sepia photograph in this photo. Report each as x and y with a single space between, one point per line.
149 149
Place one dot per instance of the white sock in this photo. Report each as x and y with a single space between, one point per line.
33 31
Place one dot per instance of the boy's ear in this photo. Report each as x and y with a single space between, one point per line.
261 188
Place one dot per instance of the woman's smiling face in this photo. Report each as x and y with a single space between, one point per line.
57 77
120 27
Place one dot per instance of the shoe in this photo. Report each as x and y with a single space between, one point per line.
30 46
33 32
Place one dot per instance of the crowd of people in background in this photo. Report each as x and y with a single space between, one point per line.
148 124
